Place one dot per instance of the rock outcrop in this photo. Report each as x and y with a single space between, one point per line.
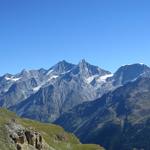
25 134
25 138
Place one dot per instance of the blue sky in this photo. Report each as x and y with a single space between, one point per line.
107 33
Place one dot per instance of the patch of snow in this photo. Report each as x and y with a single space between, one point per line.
103 78
66 72
37 88
142 74
53 77
12 79
141 63
134 79
7 78
50 71
90 79
16 79
126 65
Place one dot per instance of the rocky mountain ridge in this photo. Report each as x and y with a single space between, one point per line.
121 117
46 94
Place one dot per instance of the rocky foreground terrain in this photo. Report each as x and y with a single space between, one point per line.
23 134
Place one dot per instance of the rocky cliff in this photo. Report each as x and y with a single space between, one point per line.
23 134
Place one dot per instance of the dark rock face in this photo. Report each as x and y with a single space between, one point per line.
118 120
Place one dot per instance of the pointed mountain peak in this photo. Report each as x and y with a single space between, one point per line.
87 70
83 62
24 72
61 67
63 62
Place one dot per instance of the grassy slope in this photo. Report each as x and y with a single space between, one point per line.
48 131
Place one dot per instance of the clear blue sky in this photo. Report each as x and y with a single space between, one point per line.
39 33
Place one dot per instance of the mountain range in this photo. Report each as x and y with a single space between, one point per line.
110 109
46 94
118 120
